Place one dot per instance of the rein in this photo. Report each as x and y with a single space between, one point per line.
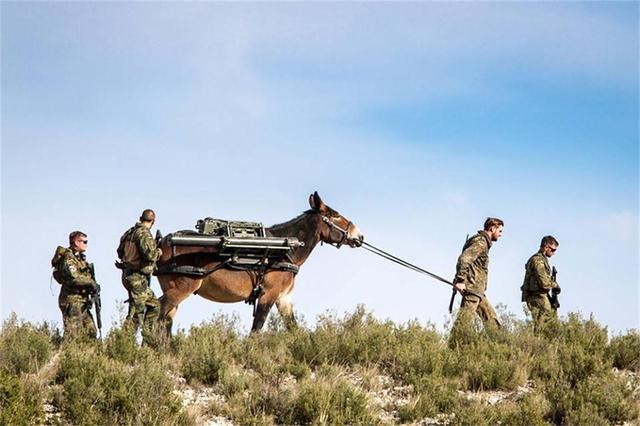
375 250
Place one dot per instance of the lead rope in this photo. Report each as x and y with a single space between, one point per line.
388 256
375 250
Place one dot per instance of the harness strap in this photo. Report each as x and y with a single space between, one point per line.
189 270
200 272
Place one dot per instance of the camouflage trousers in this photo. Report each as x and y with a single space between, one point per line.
472 305
76 315
144 307
540 309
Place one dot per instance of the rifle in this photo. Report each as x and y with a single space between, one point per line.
96 299
553 297
454 290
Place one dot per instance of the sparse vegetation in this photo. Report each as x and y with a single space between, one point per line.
354 369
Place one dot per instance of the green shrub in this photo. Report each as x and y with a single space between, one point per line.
531 409
24 348
431 395
99 390
329 399
486 364
357 339
121 345
625 351
209 349
417 352
268 355
20 400
609 395
250 399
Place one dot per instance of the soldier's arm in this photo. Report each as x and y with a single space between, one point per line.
76 273
539 269
148 248
468 256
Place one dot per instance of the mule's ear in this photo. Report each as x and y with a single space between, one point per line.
318 201
315 201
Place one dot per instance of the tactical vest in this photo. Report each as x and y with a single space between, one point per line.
531 280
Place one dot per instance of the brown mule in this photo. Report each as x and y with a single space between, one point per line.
230 286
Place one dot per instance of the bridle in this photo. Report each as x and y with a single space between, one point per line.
332 226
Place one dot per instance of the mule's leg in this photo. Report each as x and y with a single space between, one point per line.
175 291
167 313
285 307
262 310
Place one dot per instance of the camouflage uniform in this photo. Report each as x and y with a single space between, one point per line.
536 285
472 269
144 307
75 295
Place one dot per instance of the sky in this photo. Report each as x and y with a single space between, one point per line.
414 120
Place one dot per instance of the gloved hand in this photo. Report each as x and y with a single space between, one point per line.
556 290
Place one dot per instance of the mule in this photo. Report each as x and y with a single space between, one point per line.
319 223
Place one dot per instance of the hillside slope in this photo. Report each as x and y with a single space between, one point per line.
350 370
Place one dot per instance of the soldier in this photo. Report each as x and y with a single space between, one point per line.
73 272
471 276
538 282
138 254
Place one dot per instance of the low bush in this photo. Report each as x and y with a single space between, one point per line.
625 351
100 390
358 338
24 348
21 400
431 395
208 349
329 399
486 364
120 345
252 400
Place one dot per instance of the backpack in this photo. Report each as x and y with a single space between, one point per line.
55 263
128 251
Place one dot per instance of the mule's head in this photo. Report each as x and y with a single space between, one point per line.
335 229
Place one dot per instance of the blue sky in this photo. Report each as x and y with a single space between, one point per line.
415 120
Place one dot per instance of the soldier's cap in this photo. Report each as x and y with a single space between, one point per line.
147 215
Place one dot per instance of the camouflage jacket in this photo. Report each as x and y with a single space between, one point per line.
537 276
147 248
473 264
75 270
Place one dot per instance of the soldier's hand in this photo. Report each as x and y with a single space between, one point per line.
147 270
460 287
556 290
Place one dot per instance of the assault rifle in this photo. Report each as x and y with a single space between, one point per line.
553 297
454 290
95 299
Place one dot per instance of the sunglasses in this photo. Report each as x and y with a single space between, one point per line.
553 249
84 241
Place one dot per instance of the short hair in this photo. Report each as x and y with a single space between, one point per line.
75 235
147 215
549 240
491 222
